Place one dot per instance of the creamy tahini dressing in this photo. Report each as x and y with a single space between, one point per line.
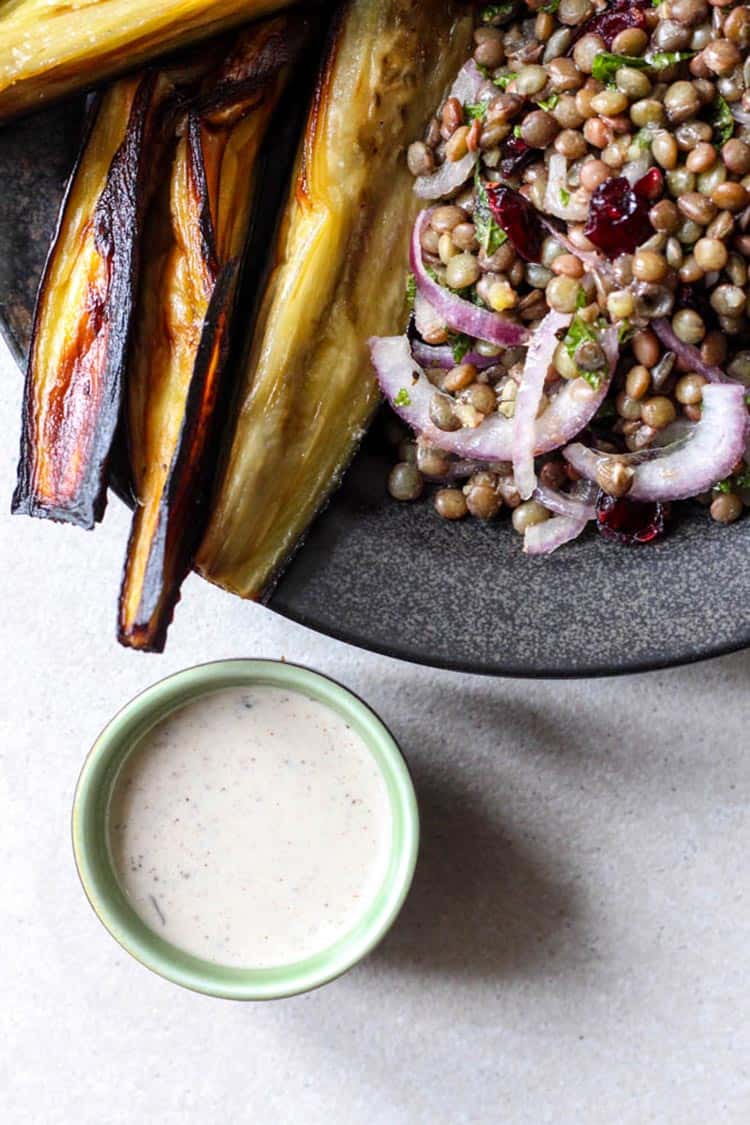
251 827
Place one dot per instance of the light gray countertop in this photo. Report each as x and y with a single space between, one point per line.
576 948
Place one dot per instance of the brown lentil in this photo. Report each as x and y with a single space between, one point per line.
405 482
637 382
450 504
529 514
726 507
689 389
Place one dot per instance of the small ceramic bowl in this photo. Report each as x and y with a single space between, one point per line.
96 869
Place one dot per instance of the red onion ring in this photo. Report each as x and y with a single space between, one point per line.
568 412
690 466
686 352
428 356
451 175
458 314
531 388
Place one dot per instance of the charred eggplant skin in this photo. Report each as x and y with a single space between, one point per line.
73 386
307 393
171 543
177 383
52 48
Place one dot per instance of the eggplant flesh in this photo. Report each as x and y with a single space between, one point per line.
195 236
51 48
307 391
84 308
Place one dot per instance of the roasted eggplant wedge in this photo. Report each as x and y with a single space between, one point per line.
50 48
195 236
84 309
308 392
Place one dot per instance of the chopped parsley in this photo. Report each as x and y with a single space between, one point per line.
578 333
564 196
476 111
721 120
660 60
581 299
551 7
643 138
550 102
411 289
403 398
493 12
740 480
490 234
606 65
460 345
503 81
516 131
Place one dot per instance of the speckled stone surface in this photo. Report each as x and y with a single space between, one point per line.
397 579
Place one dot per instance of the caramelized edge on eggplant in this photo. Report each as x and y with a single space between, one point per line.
196 235
82 319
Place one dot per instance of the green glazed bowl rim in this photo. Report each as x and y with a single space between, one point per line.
90 838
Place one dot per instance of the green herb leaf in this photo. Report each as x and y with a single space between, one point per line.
625 331
606 65
550 102
578 332
551 7
411 289
475 112
503 81
564 196
643 138
721 119
516 131
660 60
493 12
490 234
581 299
403 398
656 3
460 344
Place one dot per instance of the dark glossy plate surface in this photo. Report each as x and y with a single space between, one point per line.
395 578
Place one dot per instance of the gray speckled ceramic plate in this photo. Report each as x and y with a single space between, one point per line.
398 580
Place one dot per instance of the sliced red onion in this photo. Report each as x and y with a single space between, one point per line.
428 356
576 209
740 115
461 315
568 412
544 538
692 465
564 503
538 359
686 352
470 82
427 321
573 407
450 176
409 392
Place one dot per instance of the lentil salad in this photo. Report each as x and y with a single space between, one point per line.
579 348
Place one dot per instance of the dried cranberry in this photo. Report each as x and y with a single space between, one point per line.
515 155
618 219
629 522
519 219
620 15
